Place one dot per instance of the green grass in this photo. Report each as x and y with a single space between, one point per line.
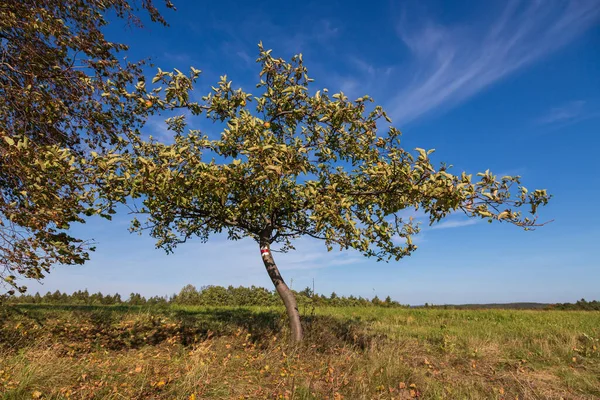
118 352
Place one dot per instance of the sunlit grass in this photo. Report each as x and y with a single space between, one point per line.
118 352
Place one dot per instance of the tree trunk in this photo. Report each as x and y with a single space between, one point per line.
283 290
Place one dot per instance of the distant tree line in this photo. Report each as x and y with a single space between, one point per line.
582 304
205 296
259 296
490 306
579 305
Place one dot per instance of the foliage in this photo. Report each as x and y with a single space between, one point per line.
257 296
206 296
64 93
582 304
297 164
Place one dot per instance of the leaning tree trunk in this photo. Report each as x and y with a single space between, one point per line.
283 290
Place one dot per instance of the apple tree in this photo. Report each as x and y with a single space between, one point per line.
66 92
290 162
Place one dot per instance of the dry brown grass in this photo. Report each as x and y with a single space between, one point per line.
111 353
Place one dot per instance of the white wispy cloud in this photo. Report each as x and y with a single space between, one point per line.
179 58
565 112
568 114
267 28
363 78
309 254
455 223
218 262
156 127
245 57
312 254
451 64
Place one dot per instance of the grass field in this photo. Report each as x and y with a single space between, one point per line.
116 352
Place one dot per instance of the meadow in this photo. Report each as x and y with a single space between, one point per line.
191 352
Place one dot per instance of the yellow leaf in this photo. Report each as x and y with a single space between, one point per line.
161 384
36 395
192 397
9 140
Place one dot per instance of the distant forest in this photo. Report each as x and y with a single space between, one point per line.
206 296
259 296
582 305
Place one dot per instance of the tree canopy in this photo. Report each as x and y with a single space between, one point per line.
300 164
65 93
292 162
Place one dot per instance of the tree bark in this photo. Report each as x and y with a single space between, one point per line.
283 290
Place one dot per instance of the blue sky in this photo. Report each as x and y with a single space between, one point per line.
506 85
